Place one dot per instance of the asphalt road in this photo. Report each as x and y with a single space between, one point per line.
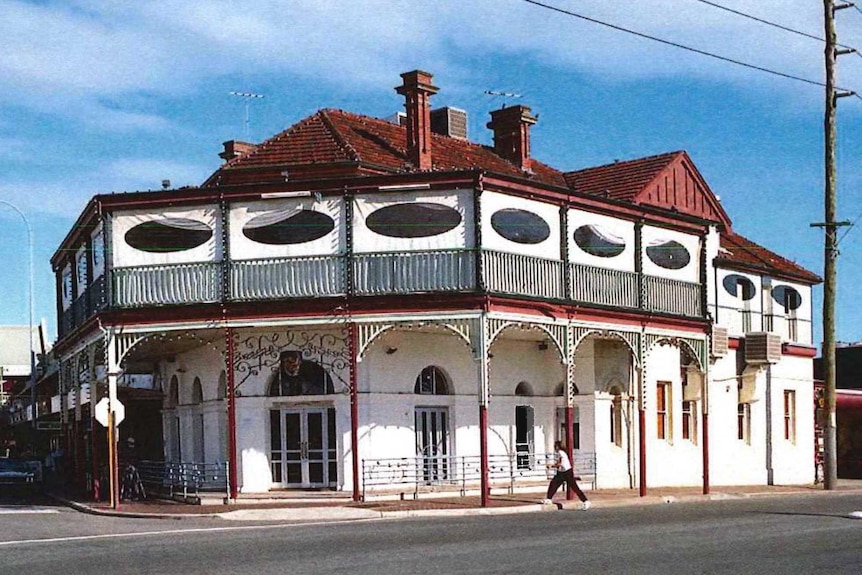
806 534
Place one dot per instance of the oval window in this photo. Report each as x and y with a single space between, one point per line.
739 286
787 296
520 226
597 242
670 255
288 228
168 235
417 220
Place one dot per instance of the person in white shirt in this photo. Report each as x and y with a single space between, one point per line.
565 474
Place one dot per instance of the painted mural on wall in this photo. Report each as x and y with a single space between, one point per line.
294 363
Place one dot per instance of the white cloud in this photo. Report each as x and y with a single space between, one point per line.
87 50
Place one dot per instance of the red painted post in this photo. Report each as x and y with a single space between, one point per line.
354 410
643 453
705 453
570 441
483 453
231 417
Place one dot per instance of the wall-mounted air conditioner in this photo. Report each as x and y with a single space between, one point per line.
718 341
762 347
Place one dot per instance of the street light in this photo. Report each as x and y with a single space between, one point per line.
30 308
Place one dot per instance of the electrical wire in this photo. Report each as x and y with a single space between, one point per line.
779 26
680 46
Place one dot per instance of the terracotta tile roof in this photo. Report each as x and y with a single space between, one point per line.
744 253
620 180
335 136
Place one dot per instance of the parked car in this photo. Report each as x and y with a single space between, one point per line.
20 474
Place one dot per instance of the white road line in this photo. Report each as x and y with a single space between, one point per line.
166 532
23 510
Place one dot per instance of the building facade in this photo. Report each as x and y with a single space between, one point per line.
357 303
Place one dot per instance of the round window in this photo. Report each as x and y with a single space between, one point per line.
597 242
168 235
291 228
520 226
670 255
417 220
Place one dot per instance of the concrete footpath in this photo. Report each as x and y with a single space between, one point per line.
329 507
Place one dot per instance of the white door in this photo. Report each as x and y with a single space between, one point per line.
303 447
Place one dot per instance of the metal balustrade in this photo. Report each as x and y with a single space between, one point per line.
167 284
278 278
415 475
390 273
673 296
186 480
411 272
523 275
603 286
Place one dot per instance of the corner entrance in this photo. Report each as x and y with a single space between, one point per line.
303 447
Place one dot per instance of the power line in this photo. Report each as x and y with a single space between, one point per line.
775 25
680 46
761 20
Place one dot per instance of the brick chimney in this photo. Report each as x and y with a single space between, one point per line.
511 128
235 148
417 91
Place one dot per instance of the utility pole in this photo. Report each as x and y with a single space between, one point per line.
830 256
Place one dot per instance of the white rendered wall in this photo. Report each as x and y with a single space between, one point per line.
674 460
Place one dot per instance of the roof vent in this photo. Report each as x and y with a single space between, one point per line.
449 122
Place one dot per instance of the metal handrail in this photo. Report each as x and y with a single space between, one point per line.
420 473
185 479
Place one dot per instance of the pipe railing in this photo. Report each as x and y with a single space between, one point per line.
420 474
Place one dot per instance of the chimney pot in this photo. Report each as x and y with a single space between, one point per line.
511 128
417 91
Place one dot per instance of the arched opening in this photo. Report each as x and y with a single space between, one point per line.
432 381
431 423
299 376
197 417
524 389
616 416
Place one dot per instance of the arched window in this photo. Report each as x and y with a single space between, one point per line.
298 376
197 392
173 398
524 389
432 381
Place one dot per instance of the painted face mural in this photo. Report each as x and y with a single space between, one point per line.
297 376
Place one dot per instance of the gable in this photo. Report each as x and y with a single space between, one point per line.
679 187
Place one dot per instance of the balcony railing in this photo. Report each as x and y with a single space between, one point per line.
276 278
603 286
411 272
523 275
437 271
673 296
167 284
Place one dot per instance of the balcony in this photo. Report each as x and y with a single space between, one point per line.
395 273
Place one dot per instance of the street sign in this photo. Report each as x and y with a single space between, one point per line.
101 411
49 425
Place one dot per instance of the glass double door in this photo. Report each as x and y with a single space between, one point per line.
303 447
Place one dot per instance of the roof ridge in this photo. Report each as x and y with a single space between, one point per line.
673 154
339 138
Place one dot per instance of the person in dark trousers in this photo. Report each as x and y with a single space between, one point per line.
565 474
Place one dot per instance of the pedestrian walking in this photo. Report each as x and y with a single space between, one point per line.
564 474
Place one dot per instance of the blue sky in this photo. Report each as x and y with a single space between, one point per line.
109 96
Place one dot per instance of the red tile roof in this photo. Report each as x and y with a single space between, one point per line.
362 145
740 252
335 136
620 180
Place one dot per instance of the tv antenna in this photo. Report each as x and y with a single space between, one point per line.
504 95
247 97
